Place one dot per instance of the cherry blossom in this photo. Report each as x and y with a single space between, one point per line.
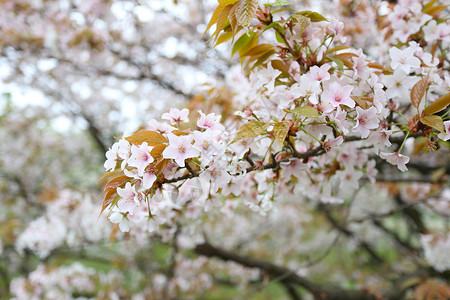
396 159
366 120
140 157
337 95
129 198
404 59
180 148
176 116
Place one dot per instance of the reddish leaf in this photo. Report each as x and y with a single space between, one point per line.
152 138
418 91
438 105
434 122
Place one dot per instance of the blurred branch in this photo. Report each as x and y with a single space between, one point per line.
285 275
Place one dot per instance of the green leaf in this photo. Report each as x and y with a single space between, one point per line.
438 105
434 122
251 129
418 91
278 3
280 130
313 16
337 61
242 41
307 111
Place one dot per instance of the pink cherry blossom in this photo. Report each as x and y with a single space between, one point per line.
180 148
140 157
176 116
129 198
210 121
396 159
338 95
366 119
319 74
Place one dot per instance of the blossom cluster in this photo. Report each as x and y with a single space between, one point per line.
317 102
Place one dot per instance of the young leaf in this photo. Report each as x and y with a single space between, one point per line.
337 61
152 138
438 105
434 122
245 11
313 16
227 2
222 19
337 48
242 41
251 129
278 3
307 111
214 18
418 91
280 130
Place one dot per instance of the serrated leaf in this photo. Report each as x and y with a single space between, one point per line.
251 129
434 122
301 20
307 111
438 105
418 91
152 138
313 16
245 11
261 58
278 3
280 130
242 41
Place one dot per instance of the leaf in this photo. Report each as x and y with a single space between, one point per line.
152 138
251 129
242 41
280 130
434 122
307 111
438 105
301 20
278 3
226 36
157 150
429 5
337 61
214 18
418 91
245 11
227 2
346 58
259 50
113 184
375 66
222 20
337 48
313 16
435 10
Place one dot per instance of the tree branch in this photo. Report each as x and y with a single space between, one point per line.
284 274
